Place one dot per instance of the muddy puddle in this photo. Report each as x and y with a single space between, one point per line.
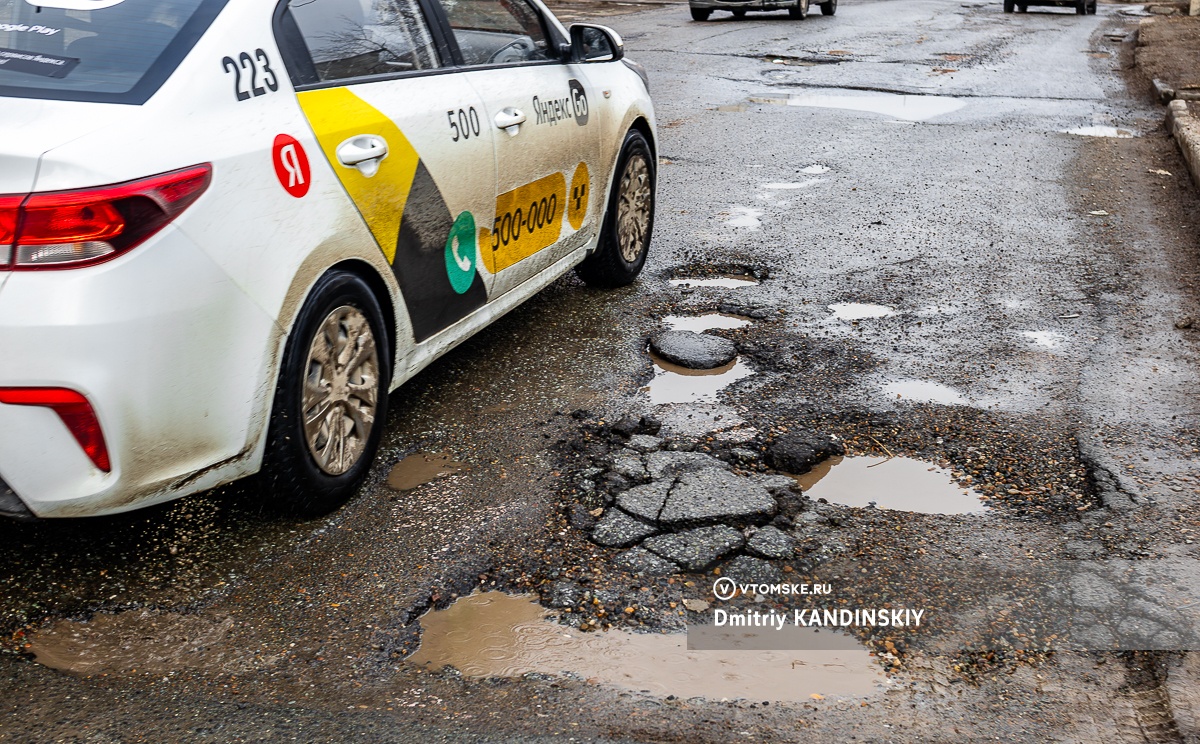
728 281
675 384
860 310
136 642
705 322
497 635
924 391
421 468
897 483
899 106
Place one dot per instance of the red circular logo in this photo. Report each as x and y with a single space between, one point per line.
291 165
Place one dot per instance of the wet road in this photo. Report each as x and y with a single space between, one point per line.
912 156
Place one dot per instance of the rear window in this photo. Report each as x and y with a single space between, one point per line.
106 51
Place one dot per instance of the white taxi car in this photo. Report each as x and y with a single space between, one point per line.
228 228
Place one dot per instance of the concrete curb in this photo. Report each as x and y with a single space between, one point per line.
1186 128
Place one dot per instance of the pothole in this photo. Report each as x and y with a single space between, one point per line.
705 322
135 642
811 60
860 310
496 635
1047 339
675 384
1100 131
897 105
727 281
897 483
421 468
792 185
744 217
924 391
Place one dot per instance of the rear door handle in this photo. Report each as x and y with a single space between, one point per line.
510 120
364 152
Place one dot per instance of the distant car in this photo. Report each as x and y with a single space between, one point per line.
703 9
1081 6
228 228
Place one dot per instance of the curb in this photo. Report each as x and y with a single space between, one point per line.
1186 128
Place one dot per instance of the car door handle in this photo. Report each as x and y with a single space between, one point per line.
364 152
510 119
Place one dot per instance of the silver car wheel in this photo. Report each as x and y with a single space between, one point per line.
633 208
341 387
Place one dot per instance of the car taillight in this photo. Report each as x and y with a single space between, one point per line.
74 410
70 229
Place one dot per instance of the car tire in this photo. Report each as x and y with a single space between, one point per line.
799 11
1092 8
1022 8
701 14
628 221
1081 7
336 363
1010 6
829 7
739 14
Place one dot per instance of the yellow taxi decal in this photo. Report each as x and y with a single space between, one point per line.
579 197
528 219
336 115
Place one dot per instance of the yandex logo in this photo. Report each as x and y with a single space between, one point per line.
70 229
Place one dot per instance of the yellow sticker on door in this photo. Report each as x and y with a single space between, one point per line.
579 197
379 186
528 219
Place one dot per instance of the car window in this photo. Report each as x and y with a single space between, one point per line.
497 32
119 52
328 40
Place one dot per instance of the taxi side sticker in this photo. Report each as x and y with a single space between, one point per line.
335 115
580 194
432 253
291 165
460 252
528 219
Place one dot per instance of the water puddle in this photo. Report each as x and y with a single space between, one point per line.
924 391
745 217
729 281
1100 131
900 106
733 108
675 384
1047 339
815 170
793 186
497 635
899 483
706 322
860 311
421 468
129 643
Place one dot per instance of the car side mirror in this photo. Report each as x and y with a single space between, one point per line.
595 44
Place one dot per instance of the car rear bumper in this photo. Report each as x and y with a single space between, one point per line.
170 353
11 505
